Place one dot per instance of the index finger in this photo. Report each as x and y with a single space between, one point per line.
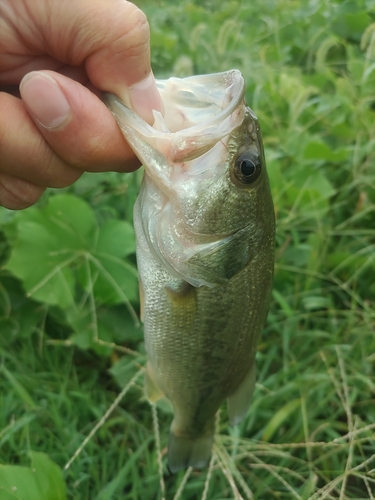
110 38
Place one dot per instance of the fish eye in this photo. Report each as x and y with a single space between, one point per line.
247 167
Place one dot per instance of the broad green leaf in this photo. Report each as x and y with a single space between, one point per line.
117 324
5 305
310 193
48 476
125 369
318 150
42 481
4 247
6 495
49 240
342 131
40 259
297 255
8 331
351 24
275 174
117 280
5 215
116 238
41 262
109 325
73 220
22 313
54 245
84 325
28 316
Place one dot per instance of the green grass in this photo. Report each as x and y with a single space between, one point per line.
310 73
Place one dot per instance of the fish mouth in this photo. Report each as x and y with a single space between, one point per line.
199 112
199 102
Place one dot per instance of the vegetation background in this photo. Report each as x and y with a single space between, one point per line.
71 348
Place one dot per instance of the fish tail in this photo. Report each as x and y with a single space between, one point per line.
187 451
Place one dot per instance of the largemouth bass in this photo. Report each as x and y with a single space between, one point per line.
204 223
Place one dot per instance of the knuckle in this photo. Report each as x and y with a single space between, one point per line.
69 179
137 17
28 163
53 171
137 35
16 194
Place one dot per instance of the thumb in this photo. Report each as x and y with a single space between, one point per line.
111 39
119 61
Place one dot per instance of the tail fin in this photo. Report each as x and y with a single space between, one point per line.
186 451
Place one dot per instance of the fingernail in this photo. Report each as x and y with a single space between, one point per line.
144 97
45 99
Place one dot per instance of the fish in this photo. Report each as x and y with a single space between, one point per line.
205 230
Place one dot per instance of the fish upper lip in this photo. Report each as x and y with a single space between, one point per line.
234 77
159 150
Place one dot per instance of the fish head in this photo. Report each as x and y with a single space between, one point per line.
205 174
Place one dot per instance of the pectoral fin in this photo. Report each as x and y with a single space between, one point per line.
218 262
238 403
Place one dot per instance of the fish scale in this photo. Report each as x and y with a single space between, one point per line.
205 229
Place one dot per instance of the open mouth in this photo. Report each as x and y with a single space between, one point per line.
199 112
198 100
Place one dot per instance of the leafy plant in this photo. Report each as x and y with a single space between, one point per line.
42 480
71 347
65 259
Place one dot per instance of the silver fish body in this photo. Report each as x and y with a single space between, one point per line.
205 229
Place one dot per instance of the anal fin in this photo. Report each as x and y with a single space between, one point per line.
152 390
239 402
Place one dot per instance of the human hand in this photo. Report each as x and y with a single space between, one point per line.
70 51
